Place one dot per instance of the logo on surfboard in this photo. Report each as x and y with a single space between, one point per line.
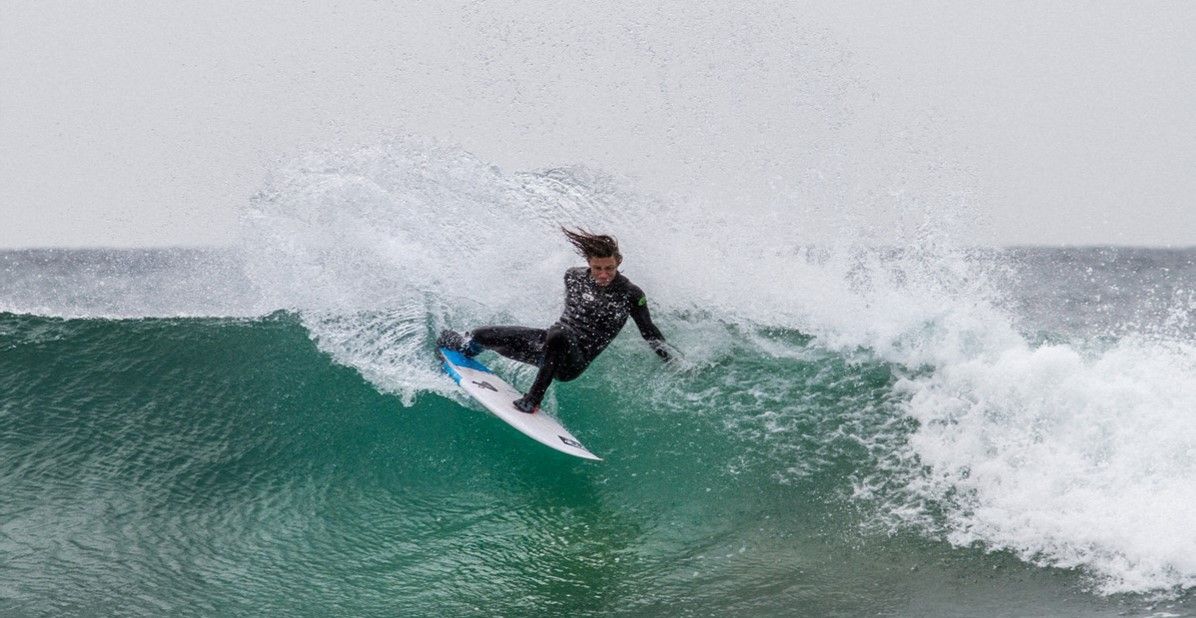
485 385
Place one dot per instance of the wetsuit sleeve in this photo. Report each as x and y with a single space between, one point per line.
643 320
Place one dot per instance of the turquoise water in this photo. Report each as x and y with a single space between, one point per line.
227 466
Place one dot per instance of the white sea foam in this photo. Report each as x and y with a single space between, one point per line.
1069 459
1078 454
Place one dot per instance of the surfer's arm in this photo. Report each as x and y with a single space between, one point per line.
643 320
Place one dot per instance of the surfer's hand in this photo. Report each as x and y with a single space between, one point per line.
673 360
659 346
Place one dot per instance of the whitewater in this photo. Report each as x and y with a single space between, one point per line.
913 428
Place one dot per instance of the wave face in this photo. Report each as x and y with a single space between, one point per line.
919 429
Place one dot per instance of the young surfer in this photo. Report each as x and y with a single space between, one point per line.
598 300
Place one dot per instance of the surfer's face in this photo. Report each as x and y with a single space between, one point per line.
603 270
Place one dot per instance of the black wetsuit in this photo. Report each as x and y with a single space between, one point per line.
593 316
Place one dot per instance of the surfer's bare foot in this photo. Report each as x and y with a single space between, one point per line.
525 405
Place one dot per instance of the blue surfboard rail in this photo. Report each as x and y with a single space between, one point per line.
453 358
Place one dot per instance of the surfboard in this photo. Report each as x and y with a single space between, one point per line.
497 396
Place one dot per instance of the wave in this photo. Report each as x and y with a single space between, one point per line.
903 370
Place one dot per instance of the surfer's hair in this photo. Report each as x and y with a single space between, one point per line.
591 245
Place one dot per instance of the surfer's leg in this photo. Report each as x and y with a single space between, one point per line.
571 362
559 352
520 343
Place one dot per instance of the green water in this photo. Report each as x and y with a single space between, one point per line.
227 467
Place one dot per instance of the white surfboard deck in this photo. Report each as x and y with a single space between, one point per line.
497 396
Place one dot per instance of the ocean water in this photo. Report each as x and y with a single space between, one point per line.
914 430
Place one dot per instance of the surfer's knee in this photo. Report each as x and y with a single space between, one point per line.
556 340
482 335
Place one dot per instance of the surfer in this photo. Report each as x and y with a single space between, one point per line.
598 301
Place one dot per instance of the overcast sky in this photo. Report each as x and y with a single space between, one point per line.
139 123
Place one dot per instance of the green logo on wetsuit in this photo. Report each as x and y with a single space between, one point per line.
643 301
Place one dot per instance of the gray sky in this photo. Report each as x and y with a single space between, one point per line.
133 123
